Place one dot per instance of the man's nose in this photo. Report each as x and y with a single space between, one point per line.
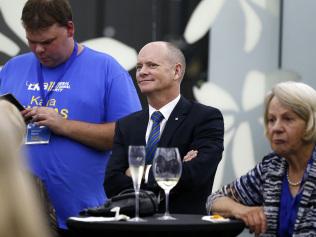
39 48
143 70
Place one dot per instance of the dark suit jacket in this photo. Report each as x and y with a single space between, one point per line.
191 126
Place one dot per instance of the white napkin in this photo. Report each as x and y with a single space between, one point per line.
117 217
100 219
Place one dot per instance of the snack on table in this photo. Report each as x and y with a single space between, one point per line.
215 218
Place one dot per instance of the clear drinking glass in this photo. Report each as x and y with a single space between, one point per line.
136 160
167 169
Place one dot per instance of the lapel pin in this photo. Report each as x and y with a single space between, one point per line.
176 118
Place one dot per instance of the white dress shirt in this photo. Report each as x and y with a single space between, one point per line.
166 110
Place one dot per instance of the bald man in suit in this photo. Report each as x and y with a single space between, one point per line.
197 130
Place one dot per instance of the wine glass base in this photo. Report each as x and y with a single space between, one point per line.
137 219
166 217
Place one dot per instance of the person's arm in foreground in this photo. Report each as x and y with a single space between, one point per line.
253 216
243 199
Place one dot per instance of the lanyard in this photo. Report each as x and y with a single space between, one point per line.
40 76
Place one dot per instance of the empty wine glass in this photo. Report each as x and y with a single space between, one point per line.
136 160
167 169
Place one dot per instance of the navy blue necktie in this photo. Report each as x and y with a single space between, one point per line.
154 136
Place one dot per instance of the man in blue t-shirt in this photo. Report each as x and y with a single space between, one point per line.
73 96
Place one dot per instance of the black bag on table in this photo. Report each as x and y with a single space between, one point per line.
148 204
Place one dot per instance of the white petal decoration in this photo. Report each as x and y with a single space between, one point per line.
229 121
261 3
253 27
243 156
124 54
11 11
202 19
272 6
254 90
212 95
8 46
220 172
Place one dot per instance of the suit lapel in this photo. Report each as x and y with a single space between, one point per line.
175 120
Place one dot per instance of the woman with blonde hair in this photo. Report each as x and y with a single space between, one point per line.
278 196
20 214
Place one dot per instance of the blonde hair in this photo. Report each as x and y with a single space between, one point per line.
301 99
20 215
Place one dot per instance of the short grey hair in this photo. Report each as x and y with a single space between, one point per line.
177 56
301 99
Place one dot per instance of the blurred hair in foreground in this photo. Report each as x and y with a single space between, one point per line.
20 214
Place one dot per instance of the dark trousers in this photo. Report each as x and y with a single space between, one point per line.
64 233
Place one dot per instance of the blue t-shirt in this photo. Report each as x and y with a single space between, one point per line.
95 89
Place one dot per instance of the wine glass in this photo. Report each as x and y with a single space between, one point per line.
167 169
136 160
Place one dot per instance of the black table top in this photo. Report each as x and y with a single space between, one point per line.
184 224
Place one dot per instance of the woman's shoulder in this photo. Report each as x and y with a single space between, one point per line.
272 164
271 158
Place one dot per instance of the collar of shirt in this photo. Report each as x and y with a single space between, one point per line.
166 110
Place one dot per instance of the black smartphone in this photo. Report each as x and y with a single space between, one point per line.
9 97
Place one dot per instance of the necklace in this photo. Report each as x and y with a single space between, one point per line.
292 183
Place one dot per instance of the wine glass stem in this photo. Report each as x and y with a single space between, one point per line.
136 204
167 202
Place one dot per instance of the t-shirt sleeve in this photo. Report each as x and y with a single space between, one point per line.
2 72
122 98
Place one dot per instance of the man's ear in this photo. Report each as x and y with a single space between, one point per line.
178 72
70 29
